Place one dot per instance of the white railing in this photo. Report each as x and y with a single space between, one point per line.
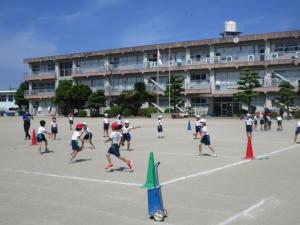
198 85
39 92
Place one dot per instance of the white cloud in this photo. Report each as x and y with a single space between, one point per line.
84 11
17 46
155 30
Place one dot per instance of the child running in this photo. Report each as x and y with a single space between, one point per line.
159 127
205 139
54 128
261 120
41 137
105 125
126 133
87 135
115 138
297 131
197 126
74 143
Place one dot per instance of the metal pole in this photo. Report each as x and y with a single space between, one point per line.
169 80
157 80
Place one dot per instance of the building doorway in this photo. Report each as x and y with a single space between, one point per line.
225 106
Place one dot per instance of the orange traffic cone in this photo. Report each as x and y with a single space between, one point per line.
249 153
33 138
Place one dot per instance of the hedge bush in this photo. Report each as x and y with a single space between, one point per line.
114 111
127 112
297 114
147 111
82 113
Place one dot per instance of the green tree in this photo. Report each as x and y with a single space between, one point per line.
60 95
21 101
77 96
175 88
248 81
95 101
134 99
286 95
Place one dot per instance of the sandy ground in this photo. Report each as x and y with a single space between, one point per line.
40 189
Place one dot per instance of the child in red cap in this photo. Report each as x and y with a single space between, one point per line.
75 137
115 138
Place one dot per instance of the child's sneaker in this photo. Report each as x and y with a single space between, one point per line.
109 166
214 155
129 164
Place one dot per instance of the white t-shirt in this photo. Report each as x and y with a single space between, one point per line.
41 130
116 137
159 122
71 118
86 131
204 130
298 123
279 118
126 130
197 123
249 121
105 120
76 135
53 124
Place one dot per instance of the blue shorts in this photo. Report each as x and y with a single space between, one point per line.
40 138
198 129
159 128
105 126
205 140
75 146
88 136
297 130
114 150
127 137
249 128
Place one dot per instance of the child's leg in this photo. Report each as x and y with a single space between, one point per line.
128 145
127 161
91 143
46 145
200 149
108 158
40 147
73 155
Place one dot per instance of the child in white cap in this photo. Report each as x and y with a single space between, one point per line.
205 139
87 135
105 125
126 133
159 127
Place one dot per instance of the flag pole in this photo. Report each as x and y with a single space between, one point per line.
157 80
169 79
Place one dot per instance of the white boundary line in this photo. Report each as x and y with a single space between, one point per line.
137 185
245 212
72 177
227 166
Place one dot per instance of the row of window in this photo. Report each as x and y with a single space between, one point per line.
7 98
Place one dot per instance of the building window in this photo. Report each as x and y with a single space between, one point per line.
11 98
3 98
65 69
50 66
198 102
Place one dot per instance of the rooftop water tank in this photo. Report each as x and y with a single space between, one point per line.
230 26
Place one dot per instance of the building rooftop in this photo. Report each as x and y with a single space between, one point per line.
181 44
8 91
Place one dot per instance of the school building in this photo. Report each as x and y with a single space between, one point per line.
7 102
210 68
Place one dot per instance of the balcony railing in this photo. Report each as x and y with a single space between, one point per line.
198 85
40 75
44 92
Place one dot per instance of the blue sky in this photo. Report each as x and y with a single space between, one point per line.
34 28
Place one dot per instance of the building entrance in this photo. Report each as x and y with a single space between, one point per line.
225 106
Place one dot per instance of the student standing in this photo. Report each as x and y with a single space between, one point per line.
40 137
26 124
87 135
126 133
159 127
54 128
105 125
71 119
249 125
